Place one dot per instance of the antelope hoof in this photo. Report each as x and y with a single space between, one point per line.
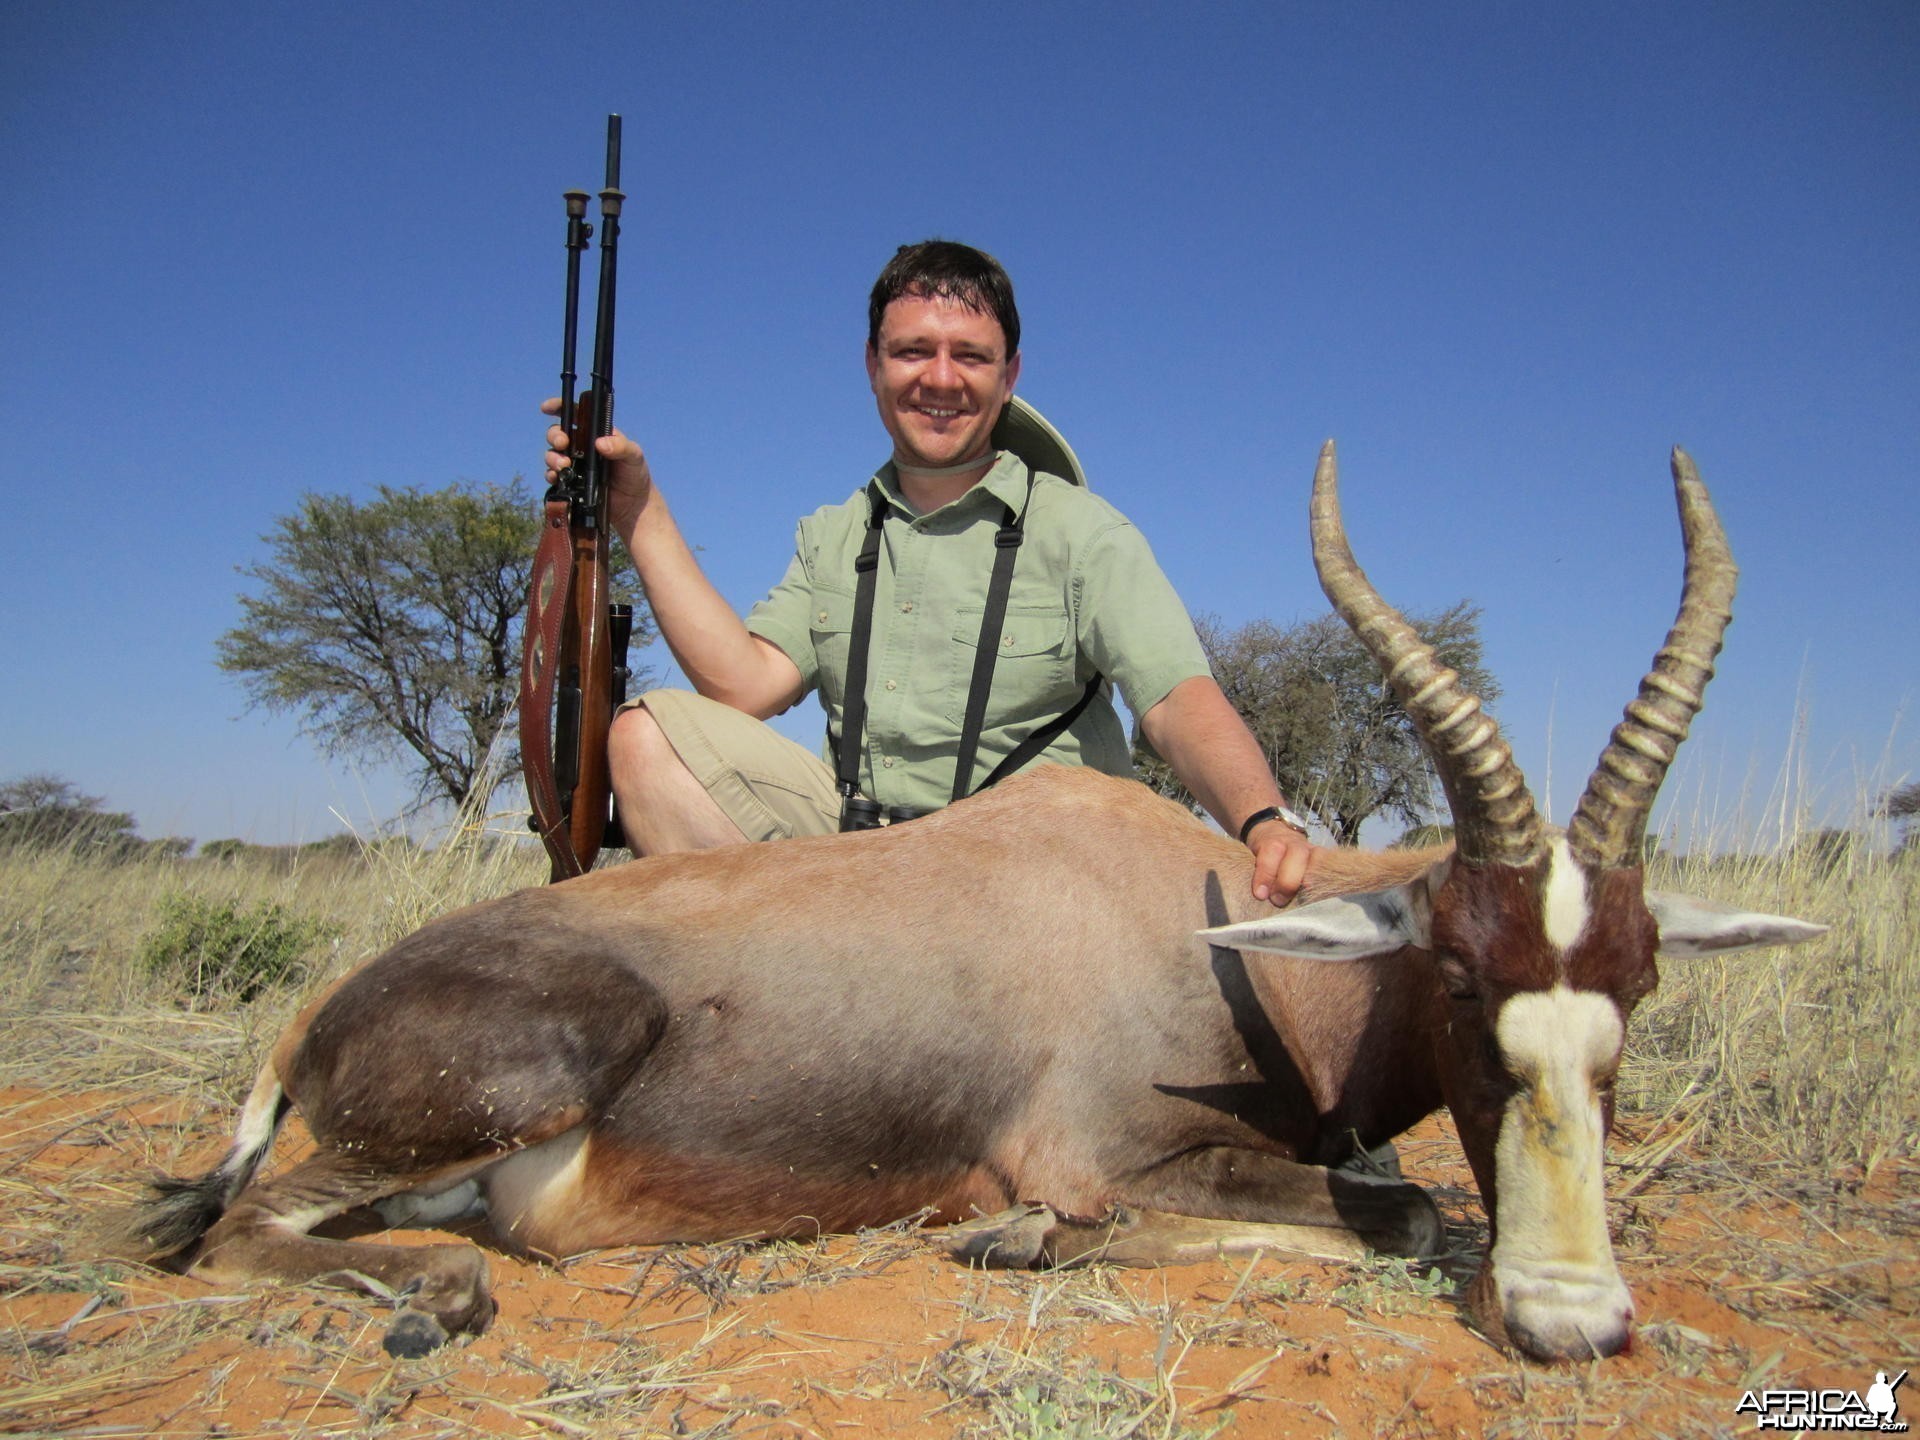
1013 1239
414 1333
1393 1217
1424 1236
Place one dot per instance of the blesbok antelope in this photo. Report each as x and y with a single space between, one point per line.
1048 1006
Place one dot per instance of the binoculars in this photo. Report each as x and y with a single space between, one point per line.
857 812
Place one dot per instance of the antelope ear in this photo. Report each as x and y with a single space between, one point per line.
1690 926
1345 927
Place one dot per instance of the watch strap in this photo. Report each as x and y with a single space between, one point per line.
1272 812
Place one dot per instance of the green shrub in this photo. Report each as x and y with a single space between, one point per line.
219 950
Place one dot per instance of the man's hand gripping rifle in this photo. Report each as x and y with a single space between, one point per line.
574 665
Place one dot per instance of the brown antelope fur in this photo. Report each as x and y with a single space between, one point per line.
1047 1015
738 1065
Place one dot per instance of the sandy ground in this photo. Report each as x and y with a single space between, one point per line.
1742 1281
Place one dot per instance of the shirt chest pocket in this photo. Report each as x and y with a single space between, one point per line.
831 624
1032 665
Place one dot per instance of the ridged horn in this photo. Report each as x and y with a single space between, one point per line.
1494 819
1610 821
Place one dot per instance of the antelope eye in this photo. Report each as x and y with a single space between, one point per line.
1455 975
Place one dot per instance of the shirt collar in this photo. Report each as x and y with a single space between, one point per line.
1005 484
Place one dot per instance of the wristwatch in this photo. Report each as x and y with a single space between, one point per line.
1272 812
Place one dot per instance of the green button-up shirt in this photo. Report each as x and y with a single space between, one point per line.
1087 599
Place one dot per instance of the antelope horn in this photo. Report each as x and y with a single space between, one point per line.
1493 815
1611 820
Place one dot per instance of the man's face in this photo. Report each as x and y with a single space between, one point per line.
940 374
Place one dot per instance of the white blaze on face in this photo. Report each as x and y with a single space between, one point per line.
1566 897
1552 1261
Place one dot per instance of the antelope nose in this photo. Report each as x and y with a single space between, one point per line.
1570 1321
1576 1341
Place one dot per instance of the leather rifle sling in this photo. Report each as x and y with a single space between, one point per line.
549 598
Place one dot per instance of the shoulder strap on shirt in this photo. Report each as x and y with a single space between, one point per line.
1006 543
853 717
1039 739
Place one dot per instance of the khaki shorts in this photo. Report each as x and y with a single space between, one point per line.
770 787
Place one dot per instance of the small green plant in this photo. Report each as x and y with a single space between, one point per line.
1032 1414
1089 1407
1393 1286
216 948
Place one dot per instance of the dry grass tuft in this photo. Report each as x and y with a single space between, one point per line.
1804 1060
79 1011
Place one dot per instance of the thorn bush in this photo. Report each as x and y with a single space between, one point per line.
216 949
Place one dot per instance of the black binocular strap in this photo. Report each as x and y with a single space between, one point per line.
1039 739
853 716
1006 549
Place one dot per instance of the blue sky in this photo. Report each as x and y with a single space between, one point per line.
1507 254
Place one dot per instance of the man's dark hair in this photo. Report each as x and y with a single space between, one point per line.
946 269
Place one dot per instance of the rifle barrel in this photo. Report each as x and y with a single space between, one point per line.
578 233
602 424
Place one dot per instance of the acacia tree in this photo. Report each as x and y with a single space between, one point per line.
1341 746
391 627
1902 804
45 812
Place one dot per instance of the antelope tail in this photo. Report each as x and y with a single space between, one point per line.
177 1212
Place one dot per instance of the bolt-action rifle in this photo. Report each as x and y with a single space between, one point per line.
573 672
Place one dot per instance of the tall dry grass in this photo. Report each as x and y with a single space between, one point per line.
79 1010
1807 1058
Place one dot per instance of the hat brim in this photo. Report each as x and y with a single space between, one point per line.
1025 431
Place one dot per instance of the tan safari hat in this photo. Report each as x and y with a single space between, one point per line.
1025 431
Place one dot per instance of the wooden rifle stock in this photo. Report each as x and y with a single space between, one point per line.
573 662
